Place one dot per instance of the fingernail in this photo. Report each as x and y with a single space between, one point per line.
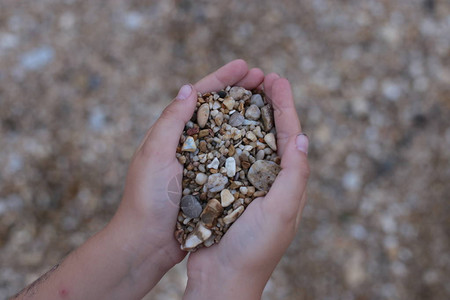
184 92
302 142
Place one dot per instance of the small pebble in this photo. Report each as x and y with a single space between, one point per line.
230 165
267 117
229 103
216 182
190 206
270 140
243 190
260 155
257 100
212 211
222 94
253 112
214 164
189 145
201 178
226 198
202 115
262 174
251 136
236 119
234 215
237 92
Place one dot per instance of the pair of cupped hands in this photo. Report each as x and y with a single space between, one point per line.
248 253
129 256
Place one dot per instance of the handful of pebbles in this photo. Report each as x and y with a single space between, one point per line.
228 151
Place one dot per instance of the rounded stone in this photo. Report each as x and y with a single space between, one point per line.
229 103
216 182
267 117
202 115
201 178
270 140
236 119
237 92
226 198
190 206
189 145
222 94
253 112
257 100
262 174
230 165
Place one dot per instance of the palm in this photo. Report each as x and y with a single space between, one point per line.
243 243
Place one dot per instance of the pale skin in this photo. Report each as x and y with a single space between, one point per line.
129 256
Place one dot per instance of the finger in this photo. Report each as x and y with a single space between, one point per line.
163 138
227 75
268 82
286 118
252 80
284 197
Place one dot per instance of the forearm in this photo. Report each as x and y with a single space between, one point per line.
105 267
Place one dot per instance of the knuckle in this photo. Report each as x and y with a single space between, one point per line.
168 113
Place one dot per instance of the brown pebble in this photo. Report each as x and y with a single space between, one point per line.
182 159
192 131
211 212
267 117
204 132
259 194
202 145
231 150
202 115
245 164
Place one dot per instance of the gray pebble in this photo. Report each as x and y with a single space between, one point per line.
253 112
237 92
190 206
257 100
236 119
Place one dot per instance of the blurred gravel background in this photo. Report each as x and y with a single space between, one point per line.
81 81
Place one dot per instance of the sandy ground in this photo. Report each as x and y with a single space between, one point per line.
81 81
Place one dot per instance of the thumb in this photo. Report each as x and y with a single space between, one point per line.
163 137
284 197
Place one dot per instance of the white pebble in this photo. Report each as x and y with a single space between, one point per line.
248 148
243 190
251 136
214 113
214 164
270 140
201 178
226 198
189 145
230 165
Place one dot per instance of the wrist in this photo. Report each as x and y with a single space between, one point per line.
141 251
224 283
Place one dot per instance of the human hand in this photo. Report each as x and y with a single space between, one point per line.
128 257
150 204
240 265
